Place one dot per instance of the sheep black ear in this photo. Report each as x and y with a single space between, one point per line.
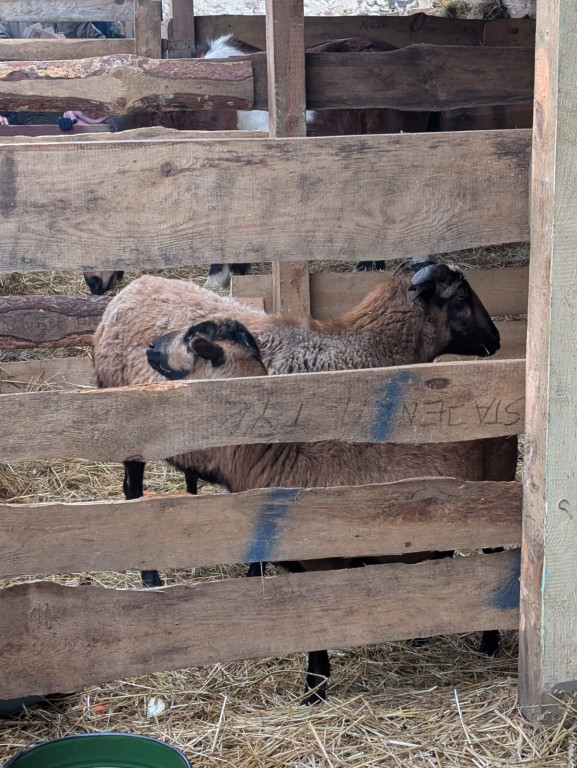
209 350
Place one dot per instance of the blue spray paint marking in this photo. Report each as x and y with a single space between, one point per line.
508 596
269 517
388 403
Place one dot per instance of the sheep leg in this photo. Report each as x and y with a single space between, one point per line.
191 480
490 642
318 671
491 638
133 487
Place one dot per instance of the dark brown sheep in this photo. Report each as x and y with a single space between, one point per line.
328 463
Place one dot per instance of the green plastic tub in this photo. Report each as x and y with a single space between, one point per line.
100 750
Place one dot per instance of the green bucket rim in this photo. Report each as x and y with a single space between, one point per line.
137 736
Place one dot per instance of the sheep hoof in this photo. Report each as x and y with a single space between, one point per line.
490 642
218 278
151 579
316 697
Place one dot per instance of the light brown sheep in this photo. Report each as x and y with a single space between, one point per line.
424 310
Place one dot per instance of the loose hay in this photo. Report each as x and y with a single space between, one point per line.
439 704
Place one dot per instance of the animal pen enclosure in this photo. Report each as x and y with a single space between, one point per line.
143 197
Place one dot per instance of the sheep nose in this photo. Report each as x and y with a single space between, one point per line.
95 284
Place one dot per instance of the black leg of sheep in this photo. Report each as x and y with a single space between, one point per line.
133 487
318 673
255 569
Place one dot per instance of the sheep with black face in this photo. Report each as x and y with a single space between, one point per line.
232 351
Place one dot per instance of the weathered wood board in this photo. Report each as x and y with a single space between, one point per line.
416 78
181 33
66 10
51 134
50 50
502 291
70 637
147 28
420 77
287 99
121 84
272 524
49 321
374 197
398 30
548 647
443 402
46 373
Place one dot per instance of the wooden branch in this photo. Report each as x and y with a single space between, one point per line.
67 10
431 403
70 637
49 321
502 291
46 373
147 21
49 50
459 190
273 524
123 84
421 78
548 647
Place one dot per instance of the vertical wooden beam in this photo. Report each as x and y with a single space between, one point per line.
285 45
181 36
548 653
147 28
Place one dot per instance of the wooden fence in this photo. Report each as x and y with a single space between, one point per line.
164 202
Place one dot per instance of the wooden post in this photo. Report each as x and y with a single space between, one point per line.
147 28
286 104
548 652
181 36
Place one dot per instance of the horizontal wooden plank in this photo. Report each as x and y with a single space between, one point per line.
49 50
399 31
28 134
511 32
420 77
49 321
66 10
503 291
46 373
419 403
28 322
18 134
272 524
121 84
70 637
472 190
